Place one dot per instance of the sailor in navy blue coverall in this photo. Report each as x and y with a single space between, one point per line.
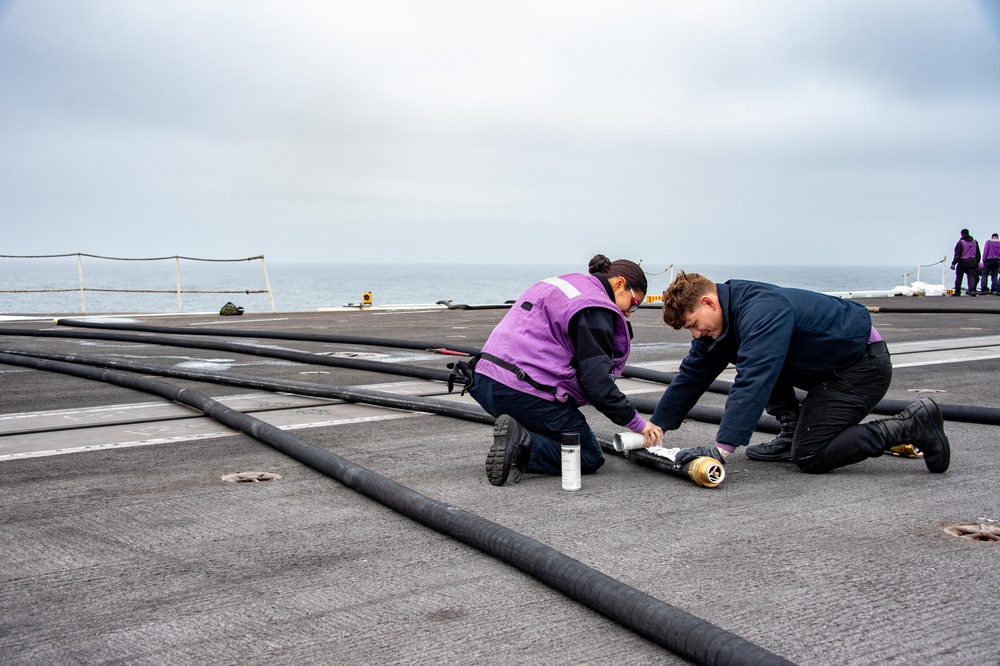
781 339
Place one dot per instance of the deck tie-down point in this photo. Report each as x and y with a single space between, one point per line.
250 477
976 531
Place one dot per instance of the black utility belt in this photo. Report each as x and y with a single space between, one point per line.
464 373
518 372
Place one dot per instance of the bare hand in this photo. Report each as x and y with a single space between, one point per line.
652 434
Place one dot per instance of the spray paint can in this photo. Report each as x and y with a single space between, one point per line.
571 461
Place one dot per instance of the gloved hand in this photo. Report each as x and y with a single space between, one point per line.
953 266
463 374
685 456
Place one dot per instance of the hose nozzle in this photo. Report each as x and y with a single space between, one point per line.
706 471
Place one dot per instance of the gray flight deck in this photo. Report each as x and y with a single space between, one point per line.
122 543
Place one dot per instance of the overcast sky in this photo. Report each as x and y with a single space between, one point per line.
680 131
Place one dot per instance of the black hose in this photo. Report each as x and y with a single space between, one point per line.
463 306
766 423
351 394
629 371
668 626
468 412
885 407
984 415
254 350
660 377
274 335
961 413
379 398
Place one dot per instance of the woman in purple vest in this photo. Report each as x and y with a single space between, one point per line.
561 345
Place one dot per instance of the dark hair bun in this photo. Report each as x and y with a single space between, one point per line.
599 264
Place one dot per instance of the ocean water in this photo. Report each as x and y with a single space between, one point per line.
300 287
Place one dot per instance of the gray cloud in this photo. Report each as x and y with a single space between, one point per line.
775 132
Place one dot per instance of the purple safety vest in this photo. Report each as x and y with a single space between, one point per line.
534 337
991 250
968 249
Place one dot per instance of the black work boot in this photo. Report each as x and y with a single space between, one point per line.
922 425
511 447
778 449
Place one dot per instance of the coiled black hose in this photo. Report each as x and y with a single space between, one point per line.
668 626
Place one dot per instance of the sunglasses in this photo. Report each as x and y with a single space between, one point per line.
635 302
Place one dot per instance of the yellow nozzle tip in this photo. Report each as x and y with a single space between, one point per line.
707 472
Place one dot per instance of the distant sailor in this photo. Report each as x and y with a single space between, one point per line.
781 339
561 345
965 262
991 267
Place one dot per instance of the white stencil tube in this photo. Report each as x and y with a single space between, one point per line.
628 441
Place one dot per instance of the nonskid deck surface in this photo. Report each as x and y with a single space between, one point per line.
144 553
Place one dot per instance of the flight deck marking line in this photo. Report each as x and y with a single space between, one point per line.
980 357
392 385
227 432
91 411
242 321
255 400
9 423
943 344
179 417
60 438
918 357
289 416
24 318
